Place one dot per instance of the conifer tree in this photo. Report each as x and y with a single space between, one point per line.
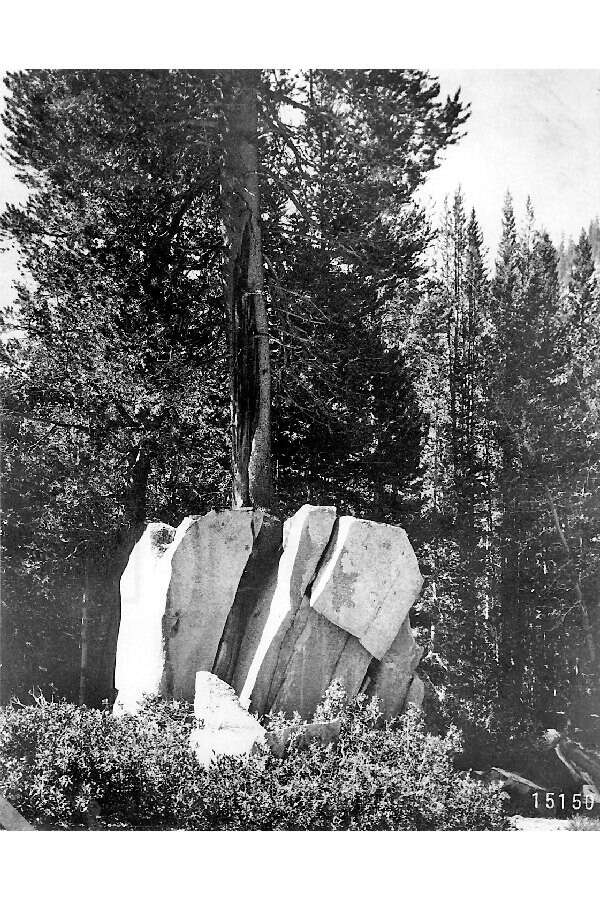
507 356
167 211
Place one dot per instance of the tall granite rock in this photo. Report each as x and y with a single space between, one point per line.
177 595
278 615
144 584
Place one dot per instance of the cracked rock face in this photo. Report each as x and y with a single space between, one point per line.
392 678
305 538
367 582
277 613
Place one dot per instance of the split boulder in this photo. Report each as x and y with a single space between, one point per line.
269 646
278 614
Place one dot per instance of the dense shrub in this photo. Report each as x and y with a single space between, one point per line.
57 760
61 765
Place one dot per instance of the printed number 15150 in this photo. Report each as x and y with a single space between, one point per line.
552 800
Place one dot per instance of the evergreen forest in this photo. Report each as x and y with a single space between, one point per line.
229 291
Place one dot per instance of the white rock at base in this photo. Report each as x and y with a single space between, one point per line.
227 729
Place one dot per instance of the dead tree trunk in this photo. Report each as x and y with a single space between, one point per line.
245 301
84 635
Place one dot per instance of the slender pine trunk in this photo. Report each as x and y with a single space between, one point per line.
84 641
511 650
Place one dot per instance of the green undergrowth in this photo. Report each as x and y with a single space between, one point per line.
64 767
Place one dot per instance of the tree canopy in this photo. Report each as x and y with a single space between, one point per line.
133 329
229 292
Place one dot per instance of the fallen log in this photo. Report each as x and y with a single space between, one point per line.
582 763
520 790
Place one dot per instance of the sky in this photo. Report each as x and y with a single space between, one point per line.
11 191
533 131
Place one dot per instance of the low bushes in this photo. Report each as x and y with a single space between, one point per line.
65 766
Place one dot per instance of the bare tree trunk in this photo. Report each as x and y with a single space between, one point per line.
248 326
83 668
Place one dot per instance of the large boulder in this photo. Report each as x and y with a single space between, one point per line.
277 614
224 727
367 582
342 597
177 593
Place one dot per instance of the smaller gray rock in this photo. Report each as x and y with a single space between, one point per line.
416 693
302 736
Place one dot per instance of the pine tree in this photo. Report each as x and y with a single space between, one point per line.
508 350
116 387
448 347
582 299
101 381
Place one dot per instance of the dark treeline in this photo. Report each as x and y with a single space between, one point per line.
506 362
411 381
